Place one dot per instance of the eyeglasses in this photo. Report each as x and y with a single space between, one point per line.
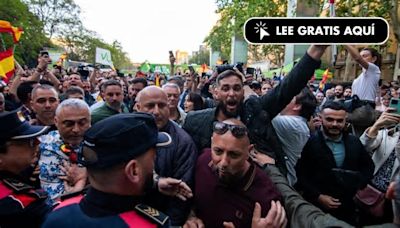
237 130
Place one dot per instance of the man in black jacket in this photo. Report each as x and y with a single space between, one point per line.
178 160
334 165
256 112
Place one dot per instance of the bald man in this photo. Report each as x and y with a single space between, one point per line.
177 160
235 187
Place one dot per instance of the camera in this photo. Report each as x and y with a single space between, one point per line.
225 67
82 70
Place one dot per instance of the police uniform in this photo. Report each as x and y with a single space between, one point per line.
110 142
100 209
21 205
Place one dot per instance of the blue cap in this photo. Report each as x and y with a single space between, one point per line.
13 125
120 138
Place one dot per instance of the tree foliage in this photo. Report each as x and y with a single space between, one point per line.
43 19
58 16
81 46
201 57
234 14
33 39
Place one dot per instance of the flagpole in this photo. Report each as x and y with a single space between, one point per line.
333 47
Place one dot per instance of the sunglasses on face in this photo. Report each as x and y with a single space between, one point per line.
236 130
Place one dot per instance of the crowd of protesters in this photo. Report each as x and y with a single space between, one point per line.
86 147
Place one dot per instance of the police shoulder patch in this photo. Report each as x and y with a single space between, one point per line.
16 185
151 213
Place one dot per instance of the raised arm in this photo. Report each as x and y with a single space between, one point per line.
356 56
276 100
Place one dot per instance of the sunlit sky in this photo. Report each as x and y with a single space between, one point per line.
148 29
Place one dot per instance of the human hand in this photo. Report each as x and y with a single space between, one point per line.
261 159
276 217
75 177
193 222
173 187
42 63
329 202
387 119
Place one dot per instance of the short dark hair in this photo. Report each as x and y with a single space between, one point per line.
139 80
110 83
347 87
335 105
228 73
308 103
197 100
339 85
374 53
24 90
44 87
74 90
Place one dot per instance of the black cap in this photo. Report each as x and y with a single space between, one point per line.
13 125
120 138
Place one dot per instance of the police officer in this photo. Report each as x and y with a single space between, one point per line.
21 205
119 154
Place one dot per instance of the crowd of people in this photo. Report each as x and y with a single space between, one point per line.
93 148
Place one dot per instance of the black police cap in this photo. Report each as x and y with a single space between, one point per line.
13 125
120 138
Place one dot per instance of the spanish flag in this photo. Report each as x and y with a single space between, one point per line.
6 64
325 77
6 27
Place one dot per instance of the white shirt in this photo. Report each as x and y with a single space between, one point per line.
293 132
365 86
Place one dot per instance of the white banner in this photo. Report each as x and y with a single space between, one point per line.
103 56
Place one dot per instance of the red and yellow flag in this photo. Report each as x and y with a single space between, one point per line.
325 77
6 27
7 57
7 64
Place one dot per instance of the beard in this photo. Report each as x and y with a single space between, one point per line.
328 132
148 183
230 114
228 178
115 105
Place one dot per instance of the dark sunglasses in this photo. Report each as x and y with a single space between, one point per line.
237 131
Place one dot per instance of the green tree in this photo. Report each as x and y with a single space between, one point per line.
33 39
201 57
234 14
81 46
58 16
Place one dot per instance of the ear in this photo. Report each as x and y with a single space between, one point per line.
216 93
132 171
374 59
297 107
31 101
251 147
56 121
137 106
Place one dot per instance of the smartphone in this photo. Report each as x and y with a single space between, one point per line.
191 69
394 103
